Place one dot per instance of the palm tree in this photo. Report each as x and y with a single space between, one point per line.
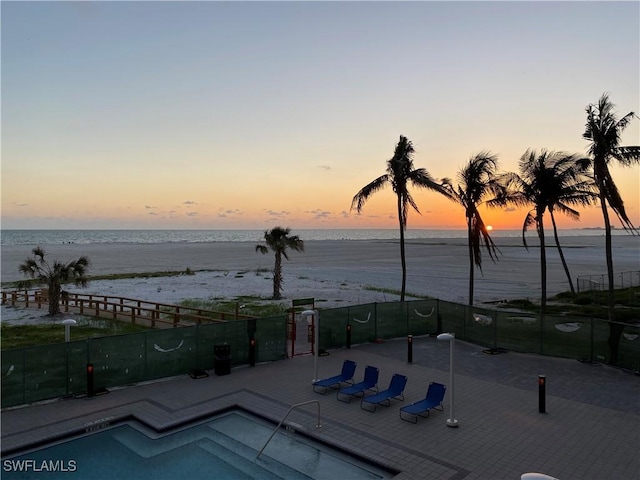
476 181
603 130
55 275
278 240
400 173
548 181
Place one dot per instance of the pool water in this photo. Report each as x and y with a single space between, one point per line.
222 448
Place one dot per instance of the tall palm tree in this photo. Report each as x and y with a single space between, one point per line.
603 130
278 240
548 181
476 181
37 268
400 173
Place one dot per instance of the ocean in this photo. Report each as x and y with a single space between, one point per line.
84 237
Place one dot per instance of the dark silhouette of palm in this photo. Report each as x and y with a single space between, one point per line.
476 181
278 240
53 276
400 173
603 130
548 181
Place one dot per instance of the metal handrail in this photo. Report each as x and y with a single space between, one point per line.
285 417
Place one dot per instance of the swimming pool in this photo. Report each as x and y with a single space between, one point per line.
221 448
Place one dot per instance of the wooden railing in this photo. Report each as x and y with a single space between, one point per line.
157 315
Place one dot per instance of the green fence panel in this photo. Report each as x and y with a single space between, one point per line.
333 327
518 331
207 336
480 326
118 360
422 317
77 356
45 372
629 348
451 317
392 320
13 373
270 338
567 337
363 323
170 351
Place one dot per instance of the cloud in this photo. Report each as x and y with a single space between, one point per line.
191 214
189 202
282 213
319 214
344 214
21 205
324 167
149 207
152 213
229 212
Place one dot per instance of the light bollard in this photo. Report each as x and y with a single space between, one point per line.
542 394
410 349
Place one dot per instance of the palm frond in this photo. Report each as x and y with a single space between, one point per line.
365 192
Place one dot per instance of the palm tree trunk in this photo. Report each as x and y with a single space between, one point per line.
564 263
543 278
403 260
277 276
471 265
54 298
615 329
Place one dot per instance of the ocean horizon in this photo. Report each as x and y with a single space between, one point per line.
113 236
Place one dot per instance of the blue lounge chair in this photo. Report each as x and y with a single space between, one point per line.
348 369
395 390
370 382
435 395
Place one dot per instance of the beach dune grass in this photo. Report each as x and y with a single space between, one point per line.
587 304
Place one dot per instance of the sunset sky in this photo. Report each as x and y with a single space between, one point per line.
238 115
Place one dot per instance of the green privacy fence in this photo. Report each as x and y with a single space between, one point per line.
50 371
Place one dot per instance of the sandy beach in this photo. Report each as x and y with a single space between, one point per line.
337 273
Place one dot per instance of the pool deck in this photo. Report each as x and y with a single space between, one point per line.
591 429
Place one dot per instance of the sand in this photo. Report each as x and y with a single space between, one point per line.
336 273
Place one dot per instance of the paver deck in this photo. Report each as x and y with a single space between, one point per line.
591 429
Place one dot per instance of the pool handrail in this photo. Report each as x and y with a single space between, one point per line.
285 417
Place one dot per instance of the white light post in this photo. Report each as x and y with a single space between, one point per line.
67 328
451 338
316 333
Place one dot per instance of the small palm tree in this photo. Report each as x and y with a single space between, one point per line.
55 275
278 241
548 181
400 173
603 130
476 181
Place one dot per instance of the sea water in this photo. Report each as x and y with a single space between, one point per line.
58 237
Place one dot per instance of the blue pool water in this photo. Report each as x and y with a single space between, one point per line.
222 448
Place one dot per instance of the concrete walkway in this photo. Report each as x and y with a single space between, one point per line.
591 429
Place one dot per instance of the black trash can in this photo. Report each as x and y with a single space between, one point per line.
222 359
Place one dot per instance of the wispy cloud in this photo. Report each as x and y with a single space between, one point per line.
319 214
149 207
191 214
280 214
21 205
222 213
152 213
189 202
325 167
